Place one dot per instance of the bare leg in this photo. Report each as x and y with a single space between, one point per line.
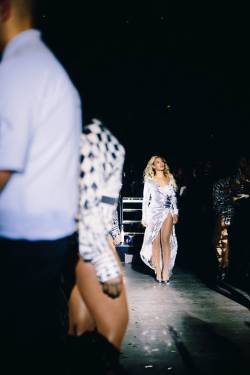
166 231
89 307
156 256
80 319
110 315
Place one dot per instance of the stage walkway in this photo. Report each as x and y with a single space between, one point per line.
183 328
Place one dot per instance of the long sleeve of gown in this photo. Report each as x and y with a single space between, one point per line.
145 202
174 206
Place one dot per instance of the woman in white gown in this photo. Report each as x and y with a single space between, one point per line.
159 216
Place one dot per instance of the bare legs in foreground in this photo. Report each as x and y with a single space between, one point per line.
90 308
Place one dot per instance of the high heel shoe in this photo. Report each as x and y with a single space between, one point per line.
166 282
158 279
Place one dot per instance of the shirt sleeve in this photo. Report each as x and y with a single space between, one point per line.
94 248
15 124
145 202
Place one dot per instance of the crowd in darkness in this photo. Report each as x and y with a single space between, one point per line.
198 217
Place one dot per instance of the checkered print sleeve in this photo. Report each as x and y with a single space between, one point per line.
102 160
115 231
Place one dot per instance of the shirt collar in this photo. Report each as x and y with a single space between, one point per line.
19 40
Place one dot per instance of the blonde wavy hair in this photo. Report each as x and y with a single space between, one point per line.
150 173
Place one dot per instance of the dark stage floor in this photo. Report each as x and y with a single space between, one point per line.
183 328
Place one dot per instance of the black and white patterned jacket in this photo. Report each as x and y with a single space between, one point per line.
102 159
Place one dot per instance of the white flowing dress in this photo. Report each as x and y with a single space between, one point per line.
158 202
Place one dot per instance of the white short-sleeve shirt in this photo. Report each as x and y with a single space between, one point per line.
40 125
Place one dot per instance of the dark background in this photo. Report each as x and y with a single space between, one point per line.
167 77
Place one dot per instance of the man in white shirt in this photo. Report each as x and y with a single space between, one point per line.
40 124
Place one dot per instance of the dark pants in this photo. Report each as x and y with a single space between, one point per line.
33 312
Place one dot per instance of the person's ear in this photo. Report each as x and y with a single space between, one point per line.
5 10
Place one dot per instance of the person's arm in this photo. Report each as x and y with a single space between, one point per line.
145 203
174 204
174 208
4 178
94 248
